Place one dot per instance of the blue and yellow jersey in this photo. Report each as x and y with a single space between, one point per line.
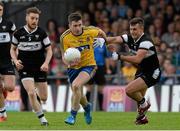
83 42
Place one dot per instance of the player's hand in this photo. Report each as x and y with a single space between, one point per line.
75 62
44 67
111 47
116 56
18 64
98 42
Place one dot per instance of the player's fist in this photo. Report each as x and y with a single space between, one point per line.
115 56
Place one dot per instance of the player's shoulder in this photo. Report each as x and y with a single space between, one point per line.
7 21
66 33
90 28
19 31
40 30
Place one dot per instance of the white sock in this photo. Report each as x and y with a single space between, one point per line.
41 116
3 112
143 104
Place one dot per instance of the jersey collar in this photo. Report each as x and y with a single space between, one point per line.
25 27
0 19
138 38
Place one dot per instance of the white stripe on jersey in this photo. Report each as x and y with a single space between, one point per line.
13 28
29 46
46 41
125 37
5 37
146 44
14 40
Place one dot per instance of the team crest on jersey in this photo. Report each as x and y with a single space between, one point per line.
87 39
22 37
4 27
37 36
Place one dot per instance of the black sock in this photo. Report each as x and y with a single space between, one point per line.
88 95
142 101
100 98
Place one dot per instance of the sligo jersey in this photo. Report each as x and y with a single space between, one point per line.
6 30
31 47
83 42
150 63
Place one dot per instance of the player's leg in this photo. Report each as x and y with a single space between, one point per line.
42 93
136 90
76 87
7 82
3 114
29 85
40 78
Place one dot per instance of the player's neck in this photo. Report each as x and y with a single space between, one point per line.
29 29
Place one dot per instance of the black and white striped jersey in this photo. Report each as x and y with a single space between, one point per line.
6 30
31 46
150 62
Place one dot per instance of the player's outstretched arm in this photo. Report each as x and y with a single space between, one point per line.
135 59
114 40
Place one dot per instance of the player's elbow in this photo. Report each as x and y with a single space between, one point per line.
137 60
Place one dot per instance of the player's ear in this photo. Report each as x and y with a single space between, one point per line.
26 17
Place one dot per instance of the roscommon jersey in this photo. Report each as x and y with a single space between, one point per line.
83 42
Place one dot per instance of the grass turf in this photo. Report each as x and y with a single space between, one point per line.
101 121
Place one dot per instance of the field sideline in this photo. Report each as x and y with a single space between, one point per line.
101 121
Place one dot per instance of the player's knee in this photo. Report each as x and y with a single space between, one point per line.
31 94
128 92
10 87
75 86
43 98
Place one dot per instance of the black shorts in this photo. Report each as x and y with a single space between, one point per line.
7 69
150 78
38 76
99 77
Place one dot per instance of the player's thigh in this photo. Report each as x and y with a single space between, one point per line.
29 84
136 85
9 82
81 79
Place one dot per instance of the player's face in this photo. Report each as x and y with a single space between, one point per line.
1 11
76 27
32 20
136 31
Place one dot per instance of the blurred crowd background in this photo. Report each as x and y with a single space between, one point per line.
162 23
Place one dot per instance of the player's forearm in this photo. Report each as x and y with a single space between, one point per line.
13 54
114 40
48 55
131 59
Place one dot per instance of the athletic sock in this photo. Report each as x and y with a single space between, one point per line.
87 108
73 113
41 116
3 112
143 103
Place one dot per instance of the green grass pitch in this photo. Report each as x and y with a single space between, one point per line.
101 121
